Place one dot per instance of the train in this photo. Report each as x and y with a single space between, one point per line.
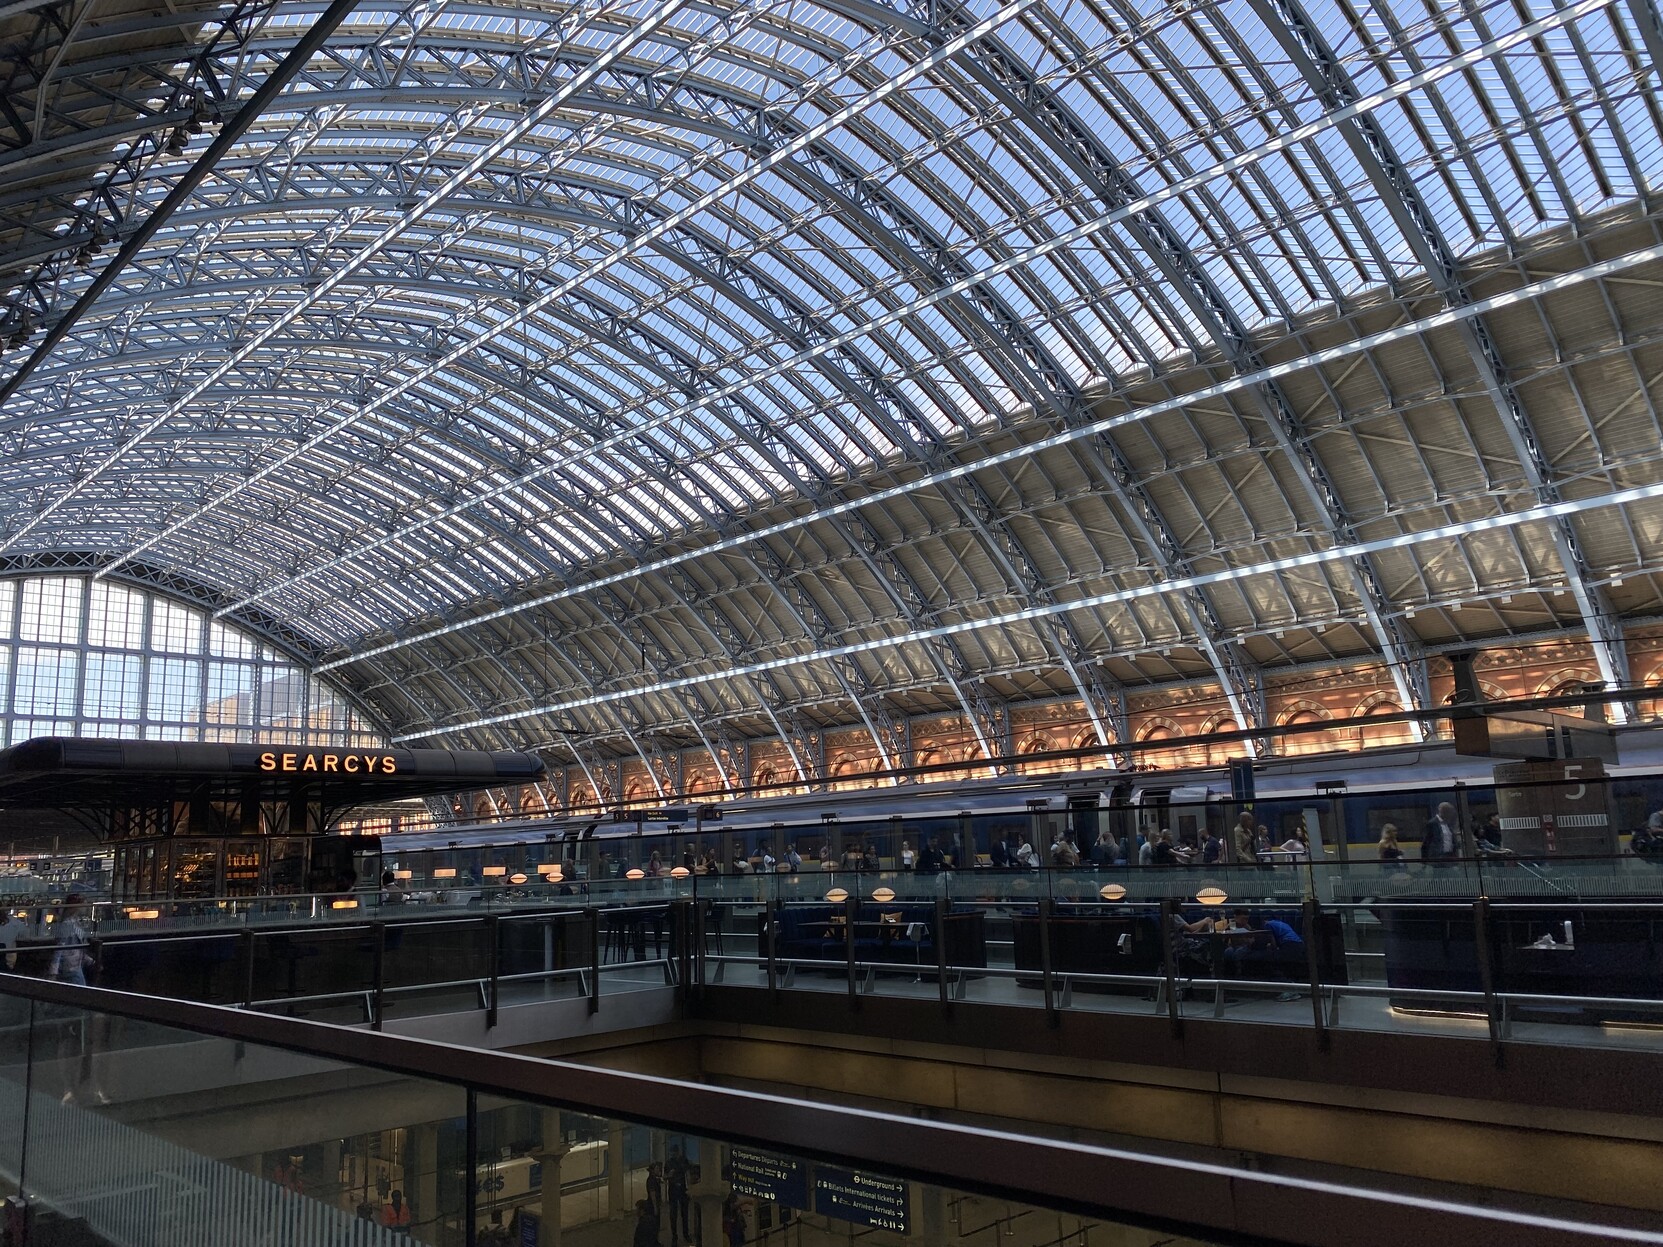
1342 801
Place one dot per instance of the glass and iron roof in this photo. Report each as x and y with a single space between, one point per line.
615 368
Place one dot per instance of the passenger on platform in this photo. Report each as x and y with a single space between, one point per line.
1487 835
1146 850
13 928
646 1225
1165 853
793 860
70 960
999 854
1391 852
1104 852
870 861
395 1215
1241 840
1064 856
825 851
654 866
1212 848
741 859
1025 858
909 859
392 892
931 861
765 859
851 856
1648 841
1262 844
1442 841
1298 845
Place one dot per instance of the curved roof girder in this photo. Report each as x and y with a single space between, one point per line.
545 108
1373 149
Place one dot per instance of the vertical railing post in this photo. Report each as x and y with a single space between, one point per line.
1046 910
493 936
1169 963
771 927
1314 949
941 911
849 907
379 970
593 917
1486 972
470 1172
248 967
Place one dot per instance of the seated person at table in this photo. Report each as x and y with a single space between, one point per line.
1273 941
1190 953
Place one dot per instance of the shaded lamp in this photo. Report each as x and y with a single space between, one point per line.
837 896
635 872
1112 892
516 878
883 895
1212 896
679 872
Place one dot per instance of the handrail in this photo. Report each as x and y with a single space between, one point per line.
1215 1198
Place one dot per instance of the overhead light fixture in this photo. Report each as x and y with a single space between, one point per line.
494 872
883 895
445 872
144 913
401 874
1112 892
837 896
343 904
552 870
1212 896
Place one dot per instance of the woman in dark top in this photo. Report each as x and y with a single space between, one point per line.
1390 852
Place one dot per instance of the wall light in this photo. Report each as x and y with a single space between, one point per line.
144 913
837 896
343 904
679 872
553 870
1112 892
516 878
635 872
494 872
445 872
883 895
1212 896
401 874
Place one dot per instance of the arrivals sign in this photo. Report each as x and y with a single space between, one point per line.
861 1198
847 1194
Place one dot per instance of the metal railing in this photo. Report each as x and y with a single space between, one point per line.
1191 1197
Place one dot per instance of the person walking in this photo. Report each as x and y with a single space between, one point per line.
70 959
1442 841
676 1171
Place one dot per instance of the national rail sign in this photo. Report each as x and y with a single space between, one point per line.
762 1175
